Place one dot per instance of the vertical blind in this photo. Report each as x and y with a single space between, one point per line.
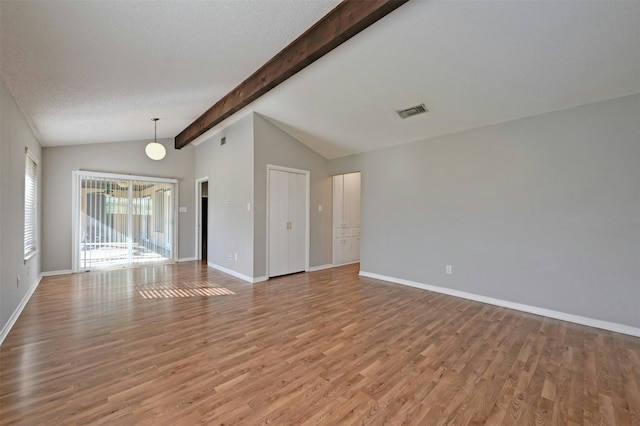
30 201
123 221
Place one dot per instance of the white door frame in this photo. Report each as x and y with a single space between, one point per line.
76 192
307 194
198 239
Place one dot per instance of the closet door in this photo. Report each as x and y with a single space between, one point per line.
287 222
297 222
278 222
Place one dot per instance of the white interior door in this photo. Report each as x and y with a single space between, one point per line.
287 222
297 221
278 222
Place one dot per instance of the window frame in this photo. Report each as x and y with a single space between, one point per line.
30 242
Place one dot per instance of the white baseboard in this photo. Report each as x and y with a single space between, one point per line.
591 322
187 259
231 272
14 317
335 265
259 279
54 273
320 268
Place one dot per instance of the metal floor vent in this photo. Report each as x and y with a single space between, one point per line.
410 112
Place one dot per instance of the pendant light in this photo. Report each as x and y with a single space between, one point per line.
155 150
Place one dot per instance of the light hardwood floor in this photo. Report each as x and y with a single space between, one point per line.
185 344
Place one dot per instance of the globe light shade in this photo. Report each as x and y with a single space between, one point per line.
155 151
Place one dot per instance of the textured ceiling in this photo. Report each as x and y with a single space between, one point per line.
98 71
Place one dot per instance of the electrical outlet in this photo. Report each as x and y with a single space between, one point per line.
449 269
18 281
320 208
236 256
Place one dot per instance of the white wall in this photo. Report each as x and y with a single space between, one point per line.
115 157
15 136
542 211
276 147
230 171
237 174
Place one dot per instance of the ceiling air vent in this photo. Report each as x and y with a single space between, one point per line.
410 112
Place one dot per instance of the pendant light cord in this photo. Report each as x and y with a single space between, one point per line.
155 129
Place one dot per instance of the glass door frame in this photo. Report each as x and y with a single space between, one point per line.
76 193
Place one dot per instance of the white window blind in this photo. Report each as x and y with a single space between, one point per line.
30 204
122 220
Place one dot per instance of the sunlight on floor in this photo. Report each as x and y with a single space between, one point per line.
185 289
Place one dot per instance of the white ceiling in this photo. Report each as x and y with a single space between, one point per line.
98 71
86 72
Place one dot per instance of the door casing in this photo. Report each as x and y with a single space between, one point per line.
307 175
198 213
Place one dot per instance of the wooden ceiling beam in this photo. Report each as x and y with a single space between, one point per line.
343 22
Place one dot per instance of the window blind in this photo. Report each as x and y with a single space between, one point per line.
122 220
30 204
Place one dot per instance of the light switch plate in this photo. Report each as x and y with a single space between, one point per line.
183 209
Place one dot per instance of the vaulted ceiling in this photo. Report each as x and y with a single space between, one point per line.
86 72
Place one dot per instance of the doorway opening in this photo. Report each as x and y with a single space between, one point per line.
346 218
202 218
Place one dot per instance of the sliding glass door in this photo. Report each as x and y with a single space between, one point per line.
122 220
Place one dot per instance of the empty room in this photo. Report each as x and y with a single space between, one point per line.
300 212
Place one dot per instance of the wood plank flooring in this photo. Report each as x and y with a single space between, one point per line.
326 347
